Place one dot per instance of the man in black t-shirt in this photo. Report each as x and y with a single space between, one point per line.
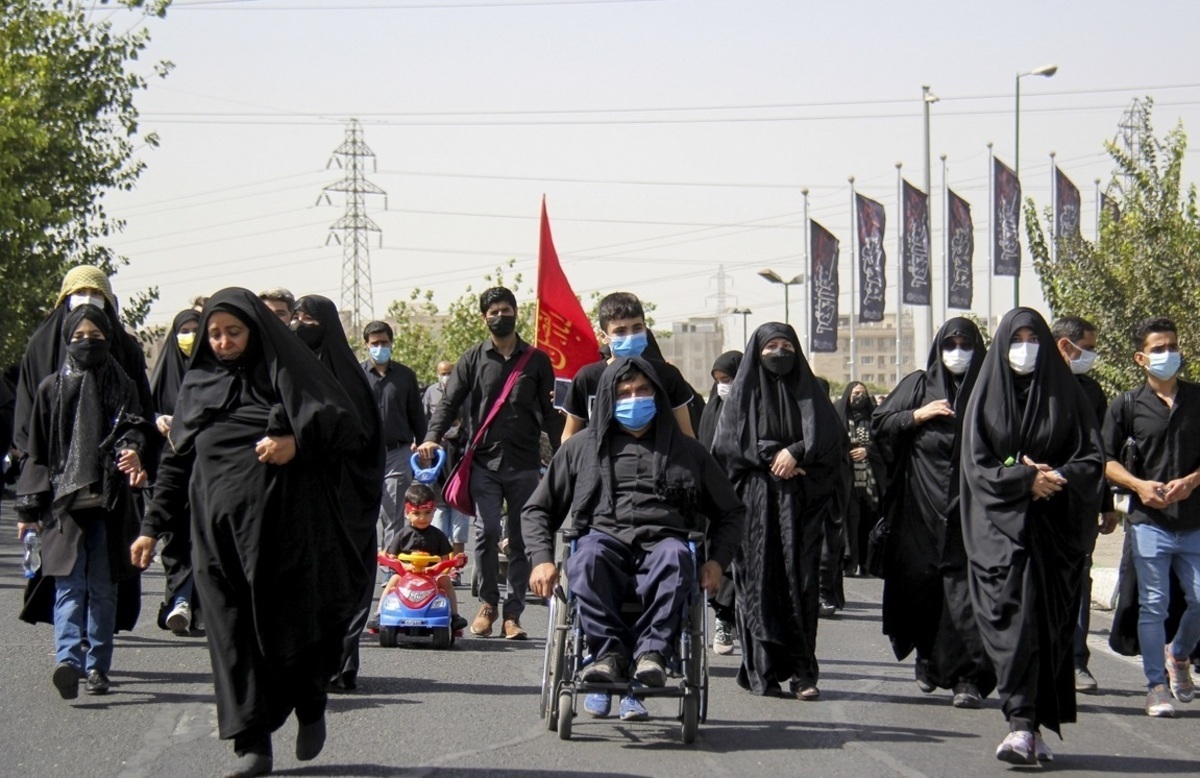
623 330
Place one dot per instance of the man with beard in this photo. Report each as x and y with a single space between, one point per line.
506 463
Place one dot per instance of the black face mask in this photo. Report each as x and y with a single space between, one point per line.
311 335
779 362
89 352
858 403
502 326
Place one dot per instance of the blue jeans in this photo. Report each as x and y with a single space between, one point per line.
1156 552
86 603
454 525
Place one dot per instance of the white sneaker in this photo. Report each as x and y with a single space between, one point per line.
1158 703
1040 749
723 638
1017 748
179 620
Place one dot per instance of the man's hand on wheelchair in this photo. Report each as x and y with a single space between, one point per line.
710 577
543 579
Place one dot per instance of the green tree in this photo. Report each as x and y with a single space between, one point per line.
68 135
425 335
1146 263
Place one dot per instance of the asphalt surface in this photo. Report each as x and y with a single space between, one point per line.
472 711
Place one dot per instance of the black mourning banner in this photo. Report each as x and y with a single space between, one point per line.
1066 215
1111 207
871 259
1006 199
914 263
960 275
824 289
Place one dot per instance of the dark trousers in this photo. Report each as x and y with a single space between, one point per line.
602 570
499 497
1082 655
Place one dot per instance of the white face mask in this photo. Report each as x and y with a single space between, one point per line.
1022 357
723 390
957 360
1083 363
76 300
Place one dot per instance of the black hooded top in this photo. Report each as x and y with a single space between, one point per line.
47 351
172 362
580 481
728 364
765 412
1026 557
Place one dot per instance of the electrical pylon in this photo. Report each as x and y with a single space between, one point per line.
350 231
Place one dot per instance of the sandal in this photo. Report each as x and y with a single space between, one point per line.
808 694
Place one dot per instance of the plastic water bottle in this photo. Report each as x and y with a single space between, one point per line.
33 553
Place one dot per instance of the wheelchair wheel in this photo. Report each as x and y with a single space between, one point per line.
691 715
387 637
697 661
566 712
554 660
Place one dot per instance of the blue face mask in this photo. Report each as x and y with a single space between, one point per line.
1164 364
380 354
628 346
634 413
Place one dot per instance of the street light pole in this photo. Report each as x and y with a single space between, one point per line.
775 278
1046 71
928 99
743 312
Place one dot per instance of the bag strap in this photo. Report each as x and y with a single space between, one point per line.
504 392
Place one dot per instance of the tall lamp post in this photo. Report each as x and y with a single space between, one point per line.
743 312
1046 71
775 278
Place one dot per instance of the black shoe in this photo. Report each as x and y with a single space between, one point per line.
966 695
651 669
251 764
373 624
458 623
609 668
343 682
826 610
97 683
66 679
921 673
310 739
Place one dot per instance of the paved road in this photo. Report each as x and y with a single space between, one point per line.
472 711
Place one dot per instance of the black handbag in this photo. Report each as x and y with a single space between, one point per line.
877 540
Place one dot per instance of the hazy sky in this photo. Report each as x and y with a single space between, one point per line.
670 137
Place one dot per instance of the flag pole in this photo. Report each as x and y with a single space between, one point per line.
900 275
807 287
1097 210
854 260
945 246
1054 206
991 268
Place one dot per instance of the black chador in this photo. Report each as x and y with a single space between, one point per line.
274 564
1026 554
926 602
778 404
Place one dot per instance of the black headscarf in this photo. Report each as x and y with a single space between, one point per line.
277 367
765 412
673 484
844 409
727 363
172 362
87 403
940 383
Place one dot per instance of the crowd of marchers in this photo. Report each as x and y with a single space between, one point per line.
272 471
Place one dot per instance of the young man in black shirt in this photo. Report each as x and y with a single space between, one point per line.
1076 341
507 460
623 330
1162 417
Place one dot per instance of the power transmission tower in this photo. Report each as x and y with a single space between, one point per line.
350 231
1129 137
722 295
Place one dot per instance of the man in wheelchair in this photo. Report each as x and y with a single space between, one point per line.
636 485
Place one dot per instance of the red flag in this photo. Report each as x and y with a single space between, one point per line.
563 330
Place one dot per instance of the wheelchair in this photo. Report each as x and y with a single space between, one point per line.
566 654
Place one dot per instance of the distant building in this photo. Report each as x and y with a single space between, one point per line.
693 347
875 350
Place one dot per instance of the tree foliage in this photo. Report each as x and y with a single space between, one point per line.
68 135
1146 262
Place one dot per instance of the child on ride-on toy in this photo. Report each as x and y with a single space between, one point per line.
419 535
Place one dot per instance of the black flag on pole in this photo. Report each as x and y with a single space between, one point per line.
871 259
824 289
914 265
1006 196
1066 215
960 287
1111 207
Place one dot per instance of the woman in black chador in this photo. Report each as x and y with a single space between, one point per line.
319 327
866 473
782 445
1032 475
926 601
179 608
258 435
